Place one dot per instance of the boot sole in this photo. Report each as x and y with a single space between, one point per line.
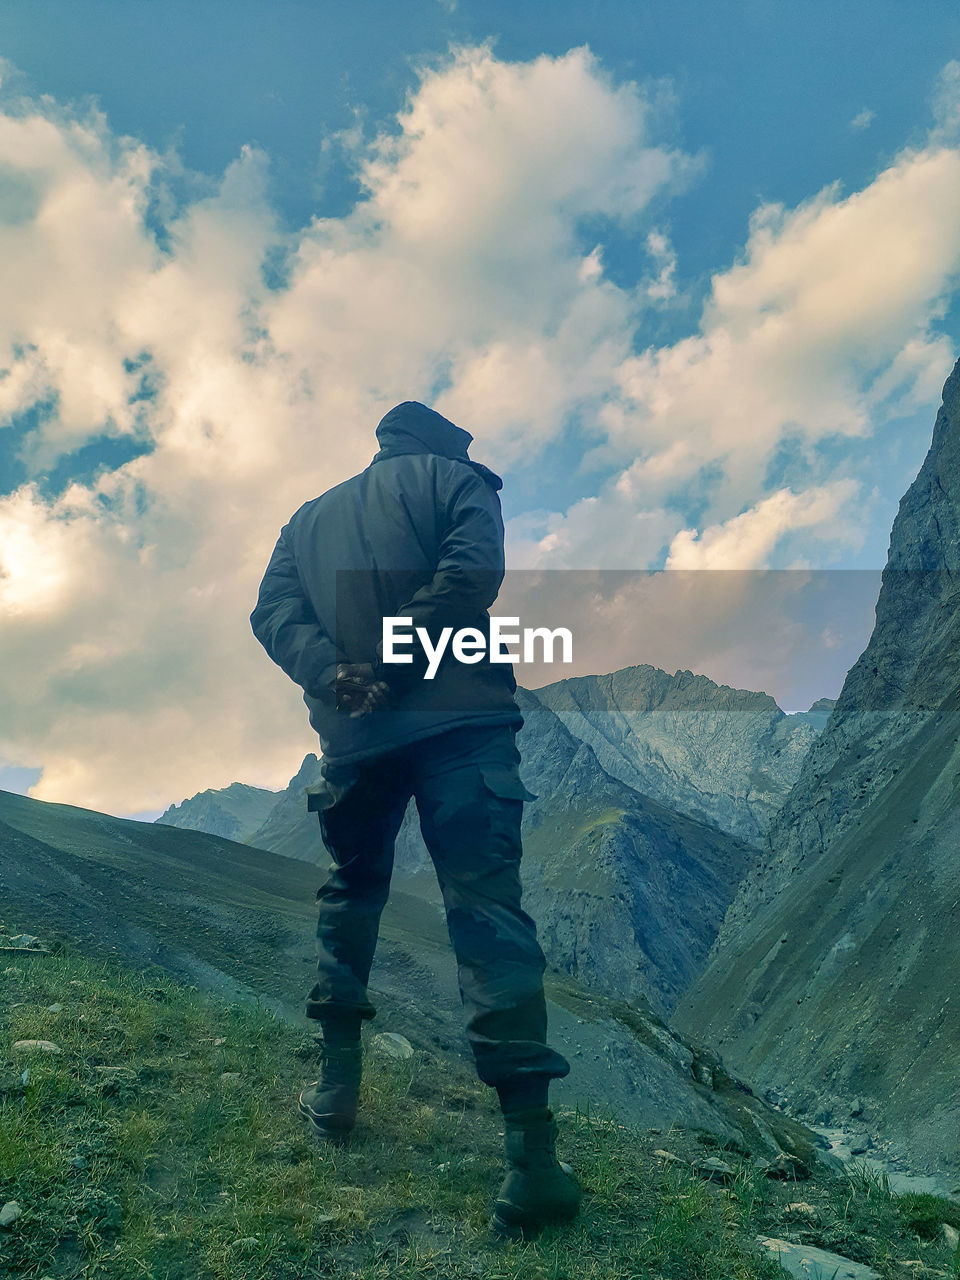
508 1230
332 1129
516 1228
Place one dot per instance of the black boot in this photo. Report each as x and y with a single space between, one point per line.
538 1189
330 1103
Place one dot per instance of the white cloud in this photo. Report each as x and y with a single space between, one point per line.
466 253
946 103
746 541
863 119
751 629
823 329
663 286
604 531
127 665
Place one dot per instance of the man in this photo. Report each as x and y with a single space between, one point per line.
418 534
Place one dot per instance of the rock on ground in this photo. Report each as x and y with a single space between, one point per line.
10 1212
37 1046
807 1263
393 1045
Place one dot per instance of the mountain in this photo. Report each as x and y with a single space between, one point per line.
628 895
721 755
234 812
817 715
832 977
724 756
288 828
239 921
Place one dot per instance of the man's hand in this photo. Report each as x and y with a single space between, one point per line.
358 691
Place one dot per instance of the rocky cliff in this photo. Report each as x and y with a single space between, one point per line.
832 977
627 894
650 789
288 828
722 755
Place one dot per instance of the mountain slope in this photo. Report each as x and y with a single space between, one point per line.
831 976
721 755
125 1158
234 812
288 828
628 896
238 921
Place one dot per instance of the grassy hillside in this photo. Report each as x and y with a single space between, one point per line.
240 922
162 1141
232 918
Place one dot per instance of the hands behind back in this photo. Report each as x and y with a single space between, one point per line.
359 692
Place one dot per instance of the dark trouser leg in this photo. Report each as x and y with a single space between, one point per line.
470 800
363 807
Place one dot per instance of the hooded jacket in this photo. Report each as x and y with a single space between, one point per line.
417 534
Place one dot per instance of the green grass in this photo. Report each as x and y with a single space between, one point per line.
185 1160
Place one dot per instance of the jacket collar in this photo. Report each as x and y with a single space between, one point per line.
411 427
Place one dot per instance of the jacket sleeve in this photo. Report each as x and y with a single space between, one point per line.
285 624
469 571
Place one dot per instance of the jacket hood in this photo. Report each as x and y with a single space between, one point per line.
411 427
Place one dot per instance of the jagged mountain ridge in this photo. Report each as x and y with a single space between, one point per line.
288 828
665 736
721 755
234 812
831 974
628 891
239 921
627 895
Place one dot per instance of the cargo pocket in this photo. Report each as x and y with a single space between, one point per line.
322 799
329 791
505 794
505 782
320 796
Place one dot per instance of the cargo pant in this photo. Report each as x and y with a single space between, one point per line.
469 797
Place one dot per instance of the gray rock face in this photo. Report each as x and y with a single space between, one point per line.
720 755
288 828
627 895
233 812
808 1263
9 1214
830 974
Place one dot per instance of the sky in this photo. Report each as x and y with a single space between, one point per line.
687 271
